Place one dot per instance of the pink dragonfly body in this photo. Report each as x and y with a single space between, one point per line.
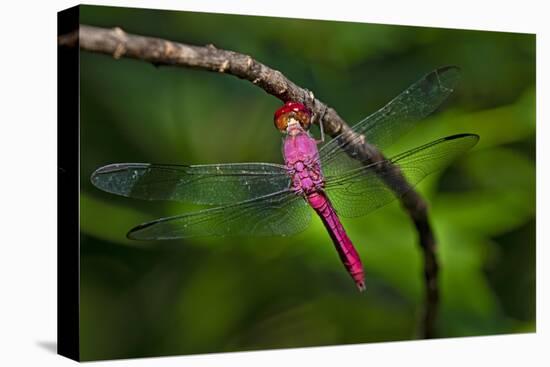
302 161
266 199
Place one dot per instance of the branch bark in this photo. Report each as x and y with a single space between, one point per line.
117 43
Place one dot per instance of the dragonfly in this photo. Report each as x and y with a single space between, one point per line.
267 199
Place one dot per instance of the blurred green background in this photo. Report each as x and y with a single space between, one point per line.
225 294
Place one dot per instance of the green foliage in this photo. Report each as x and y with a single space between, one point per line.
224 294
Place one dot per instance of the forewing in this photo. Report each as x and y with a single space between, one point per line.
278 214
216 184
386 125
364 189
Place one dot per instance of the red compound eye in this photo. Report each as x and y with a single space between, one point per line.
295 110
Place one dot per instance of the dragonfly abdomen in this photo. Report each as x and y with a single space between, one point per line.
347 252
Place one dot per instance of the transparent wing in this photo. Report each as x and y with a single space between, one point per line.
278 214
386 125
364 189
216 184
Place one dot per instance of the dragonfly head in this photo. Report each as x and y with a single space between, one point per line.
292 116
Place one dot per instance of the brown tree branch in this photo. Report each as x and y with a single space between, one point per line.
158 51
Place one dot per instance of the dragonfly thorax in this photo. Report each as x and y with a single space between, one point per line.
302 161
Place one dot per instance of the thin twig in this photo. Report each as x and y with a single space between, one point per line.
117 43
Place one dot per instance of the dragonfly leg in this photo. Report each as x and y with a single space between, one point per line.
322 132
320 119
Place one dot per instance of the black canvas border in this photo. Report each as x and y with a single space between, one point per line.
68 210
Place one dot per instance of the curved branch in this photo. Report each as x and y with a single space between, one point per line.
158 51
